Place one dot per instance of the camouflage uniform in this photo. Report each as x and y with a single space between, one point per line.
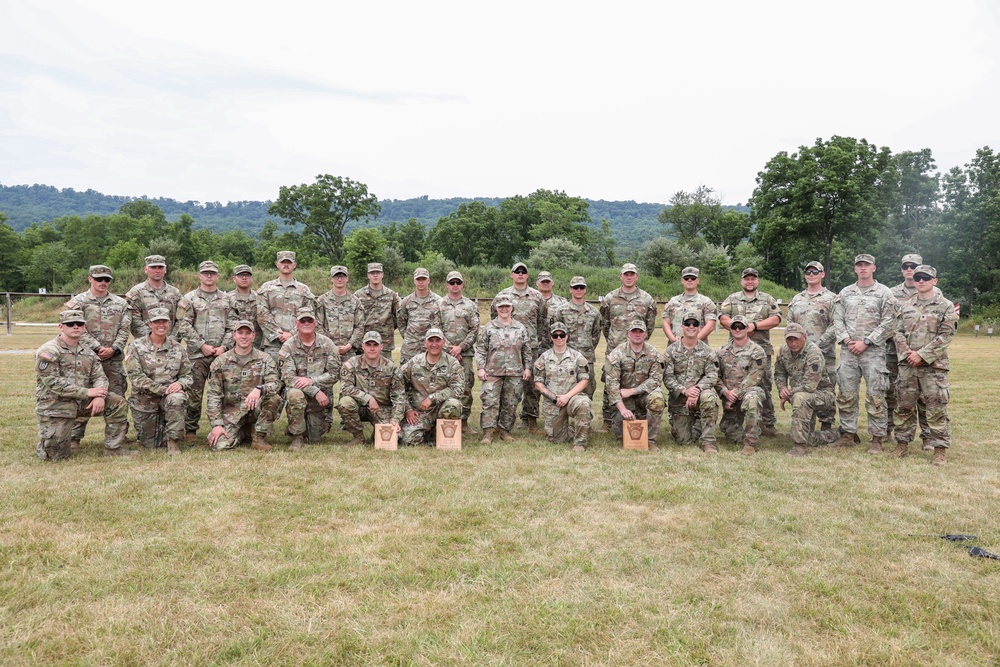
142 298
903 295
806 378
416 315
552 304
531 310
245 308
674 311
583 326
63 375
624 369
278 303
231 378
321 363
760 307
683 369
156 415
503 352
618 310
340 318
360 382
815 313
741 369
443 382
203 318
380 311
460 323
560 373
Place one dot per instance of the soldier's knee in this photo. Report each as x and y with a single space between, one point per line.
655 403
451 409
412 435
176 400
348 405
295 397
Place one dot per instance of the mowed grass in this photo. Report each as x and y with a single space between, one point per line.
509 554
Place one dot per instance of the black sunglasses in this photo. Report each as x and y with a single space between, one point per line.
521 271
102 279
812 272
909 267
559 334
454 282
578 287
306 320
75 324
737 327
690 278
922 278
692 323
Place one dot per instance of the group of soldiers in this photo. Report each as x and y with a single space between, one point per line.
249 354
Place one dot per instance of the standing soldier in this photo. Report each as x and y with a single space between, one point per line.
244 299
503 364
675 310
371 390
530 309
741 369
583 325
108 324
205 319
460 323
154 292
690 373
278 302
762 314
553 302
434 384
419 311
813 309
634 372
309 365
339 316
561 376
160 373
863 320
243 394
800 373
925 327
380 309
619 309
69 382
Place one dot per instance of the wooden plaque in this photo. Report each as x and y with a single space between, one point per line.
449 434
385 437
635 434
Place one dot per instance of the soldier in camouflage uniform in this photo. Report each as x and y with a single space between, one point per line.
813 309
561 377
380 308
205 318
531 310
634 373
503 364
584 326
71 382
108 324
802 380
924 329
863 320
243 394
553 302
690 373
309 365
371 389
154 292
339 314
741 370
278 302
762 314
419 312
688 300
160 372
460 322
244 300
434 384
619 308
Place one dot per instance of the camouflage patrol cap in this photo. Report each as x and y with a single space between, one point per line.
70 316
815 265
375 267
794 330
518 265
558 326
738 319
100 271
335 270
690 271
421 273
454 275
864 257
285 256
208 266
503 299
544 276
434 332
691 315
750 271
912 258
629 268
304 312
156 314
156 260
372 336
577 281
637 324
925 270
242 268
243 324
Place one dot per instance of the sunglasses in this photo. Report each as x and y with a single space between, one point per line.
922 278
812 272
307 320
74 324
454 282
692 323
102 279
736 327
689 278
578 287
909 267
559 334
521 271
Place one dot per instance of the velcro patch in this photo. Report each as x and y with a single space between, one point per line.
42 365
46 356
815 367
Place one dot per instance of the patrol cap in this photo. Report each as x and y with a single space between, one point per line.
518 265
286 256
912 258
421 273
691 315
100 271
244 324
156 314
454 275
864 257
815 265
372 336
156 260
690 271
926 270
544 276
503 299
558 326
434 332
242 268
629 268
70 316
738 319
375 267
637 324
750 271
208 266
305 311
577 281
334 270
794 330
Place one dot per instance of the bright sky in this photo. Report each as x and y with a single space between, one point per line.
219 101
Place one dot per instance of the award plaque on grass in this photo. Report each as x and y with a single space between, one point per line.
634 434
385 437
449 434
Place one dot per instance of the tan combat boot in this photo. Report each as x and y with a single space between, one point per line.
709 449
748 450
531 423
190 436
876 447
359 439
74 444
769 431
798 450
579 448
297 442
466 428
487 436
845 440
173 448
939 456
259 443
902 449
505 435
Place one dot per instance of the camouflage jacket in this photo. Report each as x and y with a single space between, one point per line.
760 307
277 305
553 303
108 320
815 313
63 376
460 323
674 311
384 383
205 318
625 369
865 312
440 381
340 318
416 315
805 371
903 294
531 310
583 324
558 373
926 326
740 368
152 368
320 362
684 368
232 377
503 351
245 308
380 311
619 309
142 298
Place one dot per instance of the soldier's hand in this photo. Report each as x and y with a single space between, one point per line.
412 417
626 414
691 403
208 350
785 393
526 375
628 393
174 387
481 374
216 433
783 402
322 399
399 429
456 351
693 392
303 382
426 404
284 335
95 392
253 399
857 346
96 406
913 358
344 349
105 353
372 405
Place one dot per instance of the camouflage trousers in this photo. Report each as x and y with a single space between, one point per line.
353 413
240 423
688 426
500 396
55 433
415 434
806 405
647 406
470 381
741 423
828 414
114 369
157 421
306 415
529 408
196 394
575 416
592 383
933 388
869 365
768 417
892 394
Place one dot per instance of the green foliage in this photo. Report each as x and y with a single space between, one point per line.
51 265
166 247
393 264
363 246
463 235
437 265
555 251
729 229
409 238
690 213
126 253
10 247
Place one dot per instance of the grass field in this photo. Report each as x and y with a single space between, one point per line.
516 554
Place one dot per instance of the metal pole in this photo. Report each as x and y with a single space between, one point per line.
10 325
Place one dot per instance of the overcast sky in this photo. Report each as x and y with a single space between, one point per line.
219 101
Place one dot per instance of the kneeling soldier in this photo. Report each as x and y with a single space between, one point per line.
309 365
434 384
690 373
561 376
633 374
371 390
741 370
802 380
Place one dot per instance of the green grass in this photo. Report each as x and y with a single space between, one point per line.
508 554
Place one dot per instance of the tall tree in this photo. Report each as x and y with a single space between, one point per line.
690 213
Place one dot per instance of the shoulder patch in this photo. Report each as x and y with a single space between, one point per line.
815 367
42 365
760 362
45 356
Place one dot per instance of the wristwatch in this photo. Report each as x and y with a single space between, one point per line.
867 342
